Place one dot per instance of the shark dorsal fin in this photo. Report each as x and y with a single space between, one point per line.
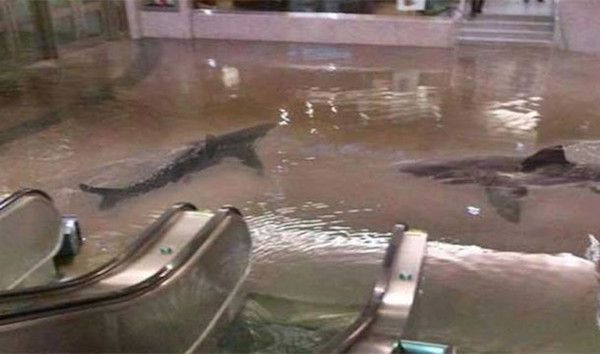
211 145
554 155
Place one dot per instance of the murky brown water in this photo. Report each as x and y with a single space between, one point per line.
320 214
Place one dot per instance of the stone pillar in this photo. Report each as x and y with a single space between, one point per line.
78 11
186 16
10 28
579 25
42 22
133 19
167 23
110 15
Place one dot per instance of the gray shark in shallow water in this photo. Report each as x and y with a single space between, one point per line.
199 156
506 179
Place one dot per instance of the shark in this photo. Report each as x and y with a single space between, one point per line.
507 179
195 157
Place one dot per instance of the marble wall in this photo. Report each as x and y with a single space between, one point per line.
579 25
418 31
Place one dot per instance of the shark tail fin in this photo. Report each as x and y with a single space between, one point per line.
249 158
110 196
507 201
549 156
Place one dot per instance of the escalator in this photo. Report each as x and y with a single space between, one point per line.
169 291
32 235
175 287
380 327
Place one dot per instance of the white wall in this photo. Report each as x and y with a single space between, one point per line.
327 28
579 25
292 27
162 24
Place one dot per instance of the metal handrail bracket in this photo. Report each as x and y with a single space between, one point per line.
381 325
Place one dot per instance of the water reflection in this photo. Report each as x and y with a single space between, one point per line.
516 116
331 189
310 285
375 104
230 76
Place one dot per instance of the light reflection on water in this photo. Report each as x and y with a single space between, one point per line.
311 277
520 116
331 191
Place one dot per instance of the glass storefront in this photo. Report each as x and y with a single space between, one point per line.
375 7
31 30
17 33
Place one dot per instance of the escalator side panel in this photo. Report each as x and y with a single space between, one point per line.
133 251
182 309
175 315
29 239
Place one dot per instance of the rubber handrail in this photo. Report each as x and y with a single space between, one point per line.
342 342
125 293
149 235
8 201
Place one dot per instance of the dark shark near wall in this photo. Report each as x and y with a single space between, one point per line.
507 179
197 157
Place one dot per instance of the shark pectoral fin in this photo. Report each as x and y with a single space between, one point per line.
109 201
98 190
506 201
549 156
249 158
110 196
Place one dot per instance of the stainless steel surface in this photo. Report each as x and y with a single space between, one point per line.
374 345
394 310
163 301
331 189
29 235
383 319
70 233
135 250
402 284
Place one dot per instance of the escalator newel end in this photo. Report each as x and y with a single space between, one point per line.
70 232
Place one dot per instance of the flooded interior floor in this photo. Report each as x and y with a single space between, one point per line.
501 275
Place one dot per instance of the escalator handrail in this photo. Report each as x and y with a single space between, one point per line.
26 192
152 282
124 257
342 342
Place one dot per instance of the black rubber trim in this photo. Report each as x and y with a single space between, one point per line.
342 342
27 192
126 293
146 238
